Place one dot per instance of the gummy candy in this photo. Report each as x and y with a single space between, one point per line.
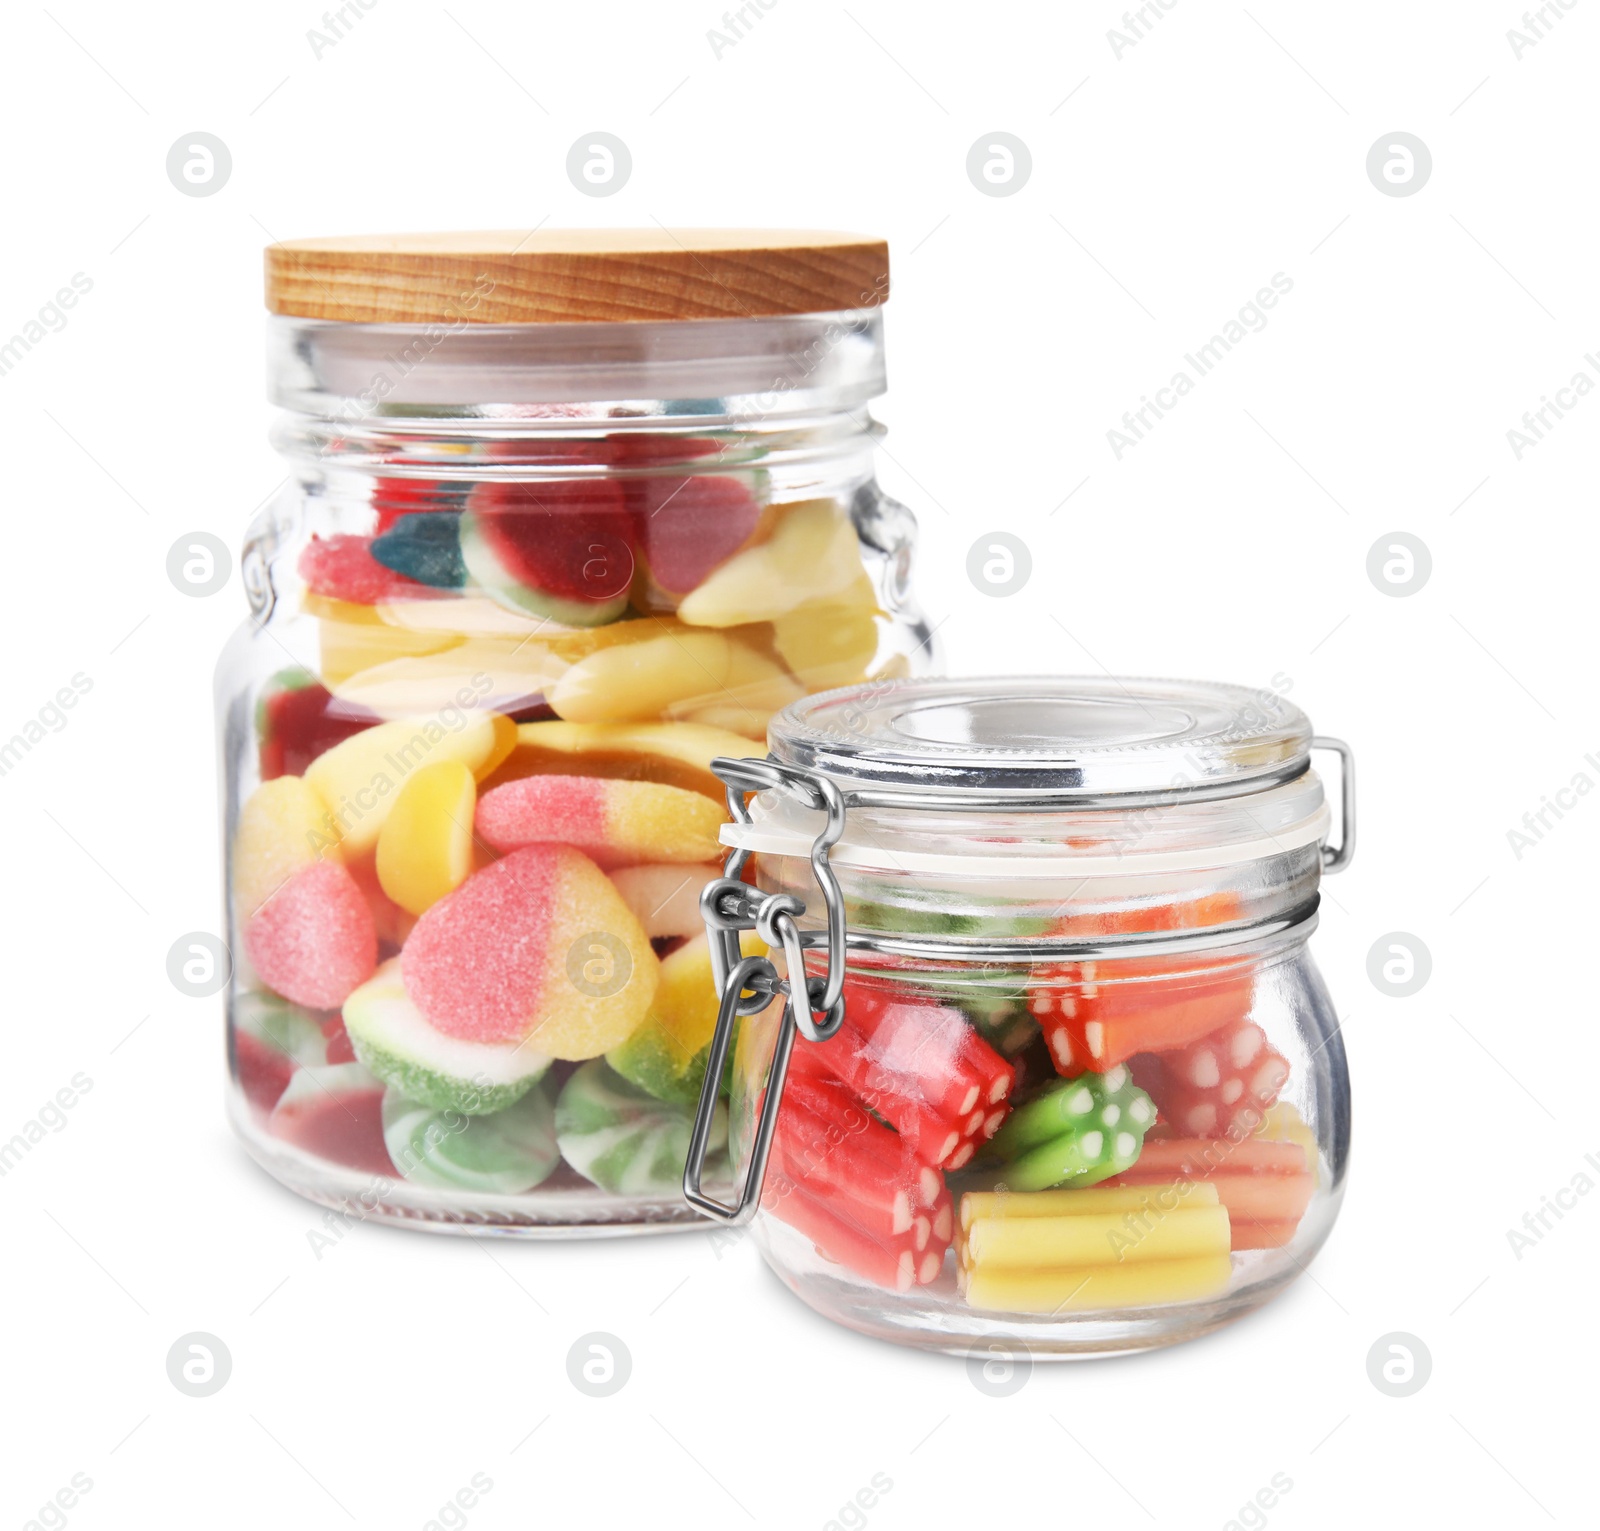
535 947
512 1151
425 845
313 940
616 822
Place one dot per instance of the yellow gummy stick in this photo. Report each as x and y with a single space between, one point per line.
1097 1198
1103 1238
1148 1284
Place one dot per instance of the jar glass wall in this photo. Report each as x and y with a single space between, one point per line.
526 581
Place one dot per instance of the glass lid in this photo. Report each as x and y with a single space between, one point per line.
1095 739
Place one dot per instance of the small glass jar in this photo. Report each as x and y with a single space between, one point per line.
568 516
1083 1090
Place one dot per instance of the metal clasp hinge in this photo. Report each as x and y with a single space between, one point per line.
1335 858
729 906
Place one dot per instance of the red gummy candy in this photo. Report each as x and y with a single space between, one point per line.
342 568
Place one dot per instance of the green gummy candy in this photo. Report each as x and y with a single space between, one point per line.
1077 1132
506 1153
623 1139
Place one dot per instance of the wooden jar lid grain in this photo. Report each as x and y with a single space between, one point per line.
565 276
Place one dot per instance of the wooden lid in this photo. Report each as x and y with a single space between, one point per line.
554 276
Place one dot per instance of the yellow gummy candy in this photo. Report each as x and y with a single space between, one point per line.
674 754
1096 1238
1284 1124
665 897
282 827
1143 1285
690 676
813 552
830 643
359 779
425 845
1095 1198
497 671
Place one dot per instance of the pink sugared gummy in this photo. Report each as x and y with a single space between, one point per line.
569 810
342 567
475 964
314 940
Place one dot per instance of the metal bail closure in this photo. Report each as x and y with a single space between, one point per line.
1335 858
730 905
748 971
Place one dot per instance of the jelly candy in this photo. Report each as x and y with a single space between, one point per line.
813 552
1081 1131
353 638
426 547
444 1073
536 947
686 527
614 821
425 845
297 719
313 940
665 900
624 1140
666 1055
1265 1185
831 642
701 677
395 498
561 548
271 1039
358 780
674 754
335 1112
856 1189
282 827
1103 1247
1218 1086
343 568
505 1154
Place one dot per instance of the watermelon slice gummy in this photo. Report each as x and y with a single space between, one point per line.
562 548
342 567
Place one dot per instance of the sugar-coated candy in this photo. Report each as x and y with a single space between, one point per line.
560 548
665 898
614 1134
360 779
283 826
507 1153
615 822
666 1055
535 947
343 568
699 677
813 552
674 754
398 1046
270 1039
314 939
424 546
425 845
335 1112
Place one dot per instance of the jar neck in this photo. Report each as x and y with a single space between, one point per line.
461 404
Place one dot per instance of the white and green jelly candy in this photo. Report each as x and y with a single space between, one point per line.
624 1140
506 1153
393 1039
1077 1132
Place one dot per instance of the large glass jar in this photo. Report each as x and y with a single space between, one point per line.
1088 1092
567 517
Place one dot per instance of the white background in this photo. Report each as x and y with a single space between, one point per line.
1168 185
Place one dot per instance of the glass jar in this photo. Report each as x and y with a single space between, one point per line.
568 516
1083 1091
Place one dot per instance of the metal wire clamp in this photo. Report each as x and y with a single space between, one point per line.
747 985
